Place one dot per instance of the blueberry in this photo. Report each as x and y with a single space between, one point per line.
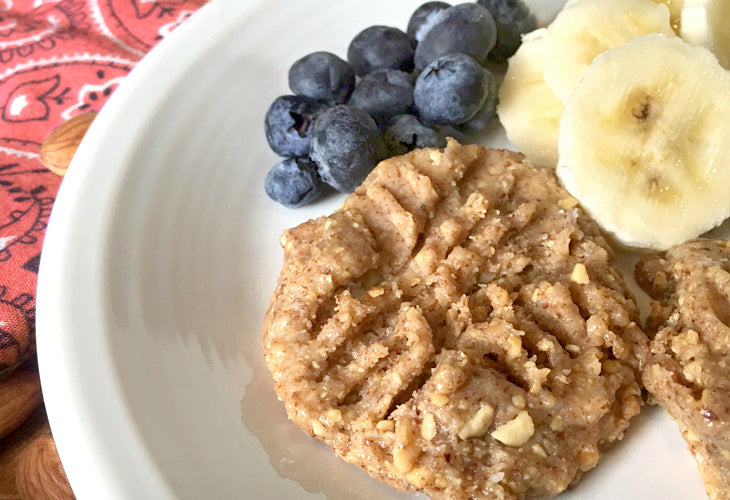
287 124
488 111
384 93
513 19
322 76
293 182
346 145
423 17
405 133
450 90
381 47
467 28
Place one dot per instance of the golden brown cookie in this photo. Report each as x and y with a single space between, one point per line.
688 370
457 327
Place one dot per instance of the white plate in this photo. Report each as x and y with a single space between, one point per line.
158 265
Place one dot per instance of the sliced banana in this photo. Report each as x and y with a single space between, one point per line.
674 6
643 142
675 12
586 28
706 23
528 109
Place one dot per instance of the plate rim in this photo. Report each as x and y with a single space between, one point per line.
67 383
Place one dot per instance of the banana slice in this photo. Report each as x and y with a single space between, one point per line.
586 28
643 142
705 23
675 12
674 6
528 109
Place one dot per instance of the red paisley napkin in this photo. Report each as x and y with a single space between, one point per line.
58 59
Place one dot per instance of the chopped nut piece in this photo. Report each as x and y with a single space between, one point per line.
428 427
334 415
567 203
405 453
544 344
519 400
515 347
580 274
693 336
385 426
403 460
572 348
419 476
439 400
537 449
588 459
426 257
517 431
376 292
464 359
692 371
683 340
479 423
318 428
496 477
450 229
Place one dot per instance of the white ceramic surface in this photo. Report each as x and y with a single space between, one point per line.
157 268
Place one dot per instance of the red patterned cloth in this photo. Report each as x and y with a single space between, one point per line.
58 59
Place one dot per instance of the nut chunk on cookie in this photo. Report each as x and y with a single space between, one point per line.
688 371
457 327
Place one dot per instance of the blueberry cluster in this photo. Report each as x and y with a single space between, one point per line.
397 91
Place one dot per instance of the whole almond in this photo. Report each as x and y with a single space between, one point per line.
20 394
40 474
60 146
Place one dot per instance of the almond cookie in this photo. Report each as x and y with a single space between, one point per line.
457 327
688 368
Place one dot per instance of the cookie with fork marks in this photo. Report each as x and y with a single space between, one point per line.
457 328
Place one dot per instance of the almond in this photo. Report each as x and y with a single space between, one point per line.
20 394
40 474
60 146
